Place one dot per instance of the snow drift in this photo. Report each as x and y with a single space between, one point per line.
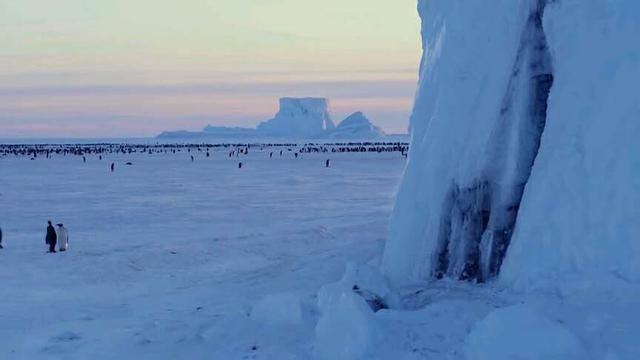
347 328
522 144
519 332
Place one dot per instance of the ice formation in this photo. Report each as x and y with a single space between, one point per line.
356 126
580 209
209 132
299 118
522 143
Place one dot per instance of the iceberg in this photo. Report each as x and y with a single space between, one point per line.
299 118
209 132
356 126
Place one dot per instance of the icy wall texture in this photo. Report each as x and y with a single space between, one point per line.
581 208
490 87
299 117
466 72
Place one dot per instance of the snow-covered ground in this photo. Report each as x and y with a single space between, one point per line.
174 259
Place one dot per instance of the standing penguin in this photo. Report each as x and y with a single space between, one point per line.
51 237
1 247
240 165
63 237
113 166
327 163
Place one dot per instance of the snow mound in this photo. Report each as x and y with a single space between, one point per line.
347 328
362 280
283 309
299 118
356 126
518 332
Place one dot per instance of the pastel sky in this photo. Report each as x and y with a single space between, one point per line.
112 68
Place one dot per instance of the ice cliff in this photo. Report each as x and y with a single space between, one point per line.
299 118
524 160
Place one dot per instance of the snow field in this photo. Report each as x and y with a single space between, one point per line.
174 259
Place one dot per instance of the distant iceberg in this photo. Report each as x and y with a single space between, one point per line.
356 126
209 132
299 118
